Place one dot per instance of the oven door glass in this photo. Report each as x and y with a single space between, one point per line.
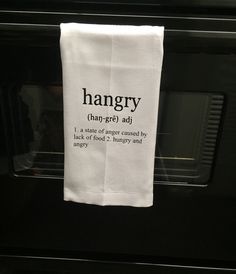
189 116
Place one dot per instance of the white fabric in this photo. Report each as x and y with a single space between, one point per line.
113 163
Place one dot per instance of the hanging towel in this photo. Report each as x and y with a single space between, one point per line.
111 79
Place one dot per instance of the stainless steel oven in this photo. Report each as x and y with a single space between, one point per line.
191 227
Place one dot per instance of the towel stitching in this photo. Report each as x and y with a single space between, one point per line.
107 126
114 192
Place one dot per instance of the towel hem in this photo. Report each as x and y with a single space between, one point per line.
106 198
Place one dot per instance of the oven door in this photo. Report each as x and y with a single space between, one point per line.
192 222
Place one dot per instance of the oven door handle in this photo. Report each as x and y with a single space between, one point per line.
28 27
172 32
29 34
177 40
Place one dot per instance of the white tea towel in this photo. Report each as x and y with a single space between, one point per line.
111 79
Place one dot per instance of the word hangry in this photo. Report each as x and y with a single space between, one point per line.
117 102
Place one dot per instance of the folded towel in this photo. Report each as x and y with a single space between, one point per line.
111 79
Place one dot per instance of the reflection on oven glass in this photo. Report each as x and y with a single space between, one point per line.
40 150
